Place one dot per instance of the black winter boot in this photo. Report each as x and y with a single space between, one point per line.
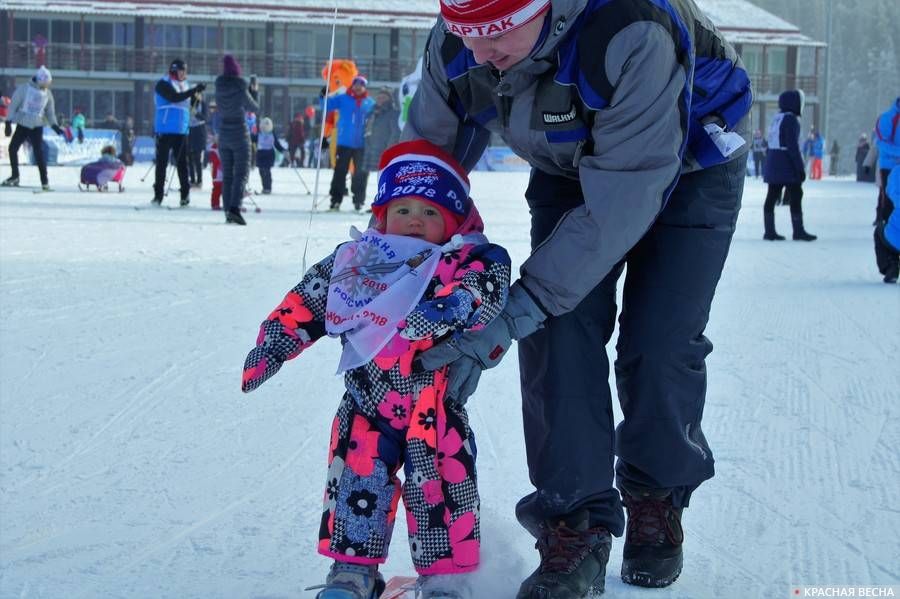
887 256
652 556
769 223
573 560
234 217
800 233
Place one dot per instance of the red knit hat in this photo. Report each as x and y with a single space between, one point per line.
489 18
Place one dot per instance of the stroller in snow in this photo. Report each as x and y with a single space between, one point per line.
100 173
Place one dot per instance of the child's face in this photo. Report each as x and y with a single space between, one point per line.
413 217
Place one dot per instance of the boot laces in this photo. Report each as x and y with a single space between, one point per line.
650 521
562 548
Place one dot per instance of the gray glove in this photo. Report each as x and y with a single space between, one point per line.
475 351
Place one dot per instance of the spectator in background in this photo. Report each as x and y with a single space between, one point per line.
354 107
267 143
784 166
174 99
834 154
234 99
110 122
296 138
127 137
197 141
382 129
78 124
31 108
758 147
862 150
887 140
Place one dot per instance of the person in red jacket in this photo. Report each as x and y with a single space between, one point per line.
216 167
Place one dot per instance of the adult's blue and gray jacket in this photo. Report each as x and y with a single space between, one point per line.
615 94
352 114
784 163
887 134
173 106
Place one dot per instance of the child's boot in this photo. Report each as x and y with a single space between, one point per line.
351 581
445 586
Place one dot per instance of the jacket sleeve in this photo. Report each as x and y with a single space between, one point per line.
168 92
789 135
16 103
50 111
475 296
250 101
431 115
278 145
634 165
297 322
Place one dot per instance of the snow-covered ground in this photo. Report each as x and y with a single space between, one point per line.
132 466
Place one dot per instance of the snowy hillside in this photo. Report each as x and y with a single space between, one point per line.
131 466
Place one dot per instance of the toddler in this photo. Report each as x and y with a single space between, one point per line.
422 274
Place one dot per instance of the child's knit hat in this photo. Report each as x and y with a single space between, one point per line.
265 125
43 75
422 170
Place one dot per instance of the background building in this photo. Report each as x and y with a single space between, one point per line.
106 55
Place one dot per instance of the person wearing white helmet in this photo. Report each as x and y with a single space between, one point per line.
266 145
31 108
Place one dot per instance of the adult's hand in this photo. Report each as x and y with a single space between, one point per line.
479 350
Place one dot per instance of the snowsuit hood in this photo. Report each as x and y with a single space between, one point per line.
791 101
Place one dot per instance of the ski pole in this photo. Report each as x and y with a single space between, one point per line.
147 174
175 166
296 170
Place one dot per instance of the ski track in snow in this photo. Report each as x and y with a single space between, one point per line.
132 466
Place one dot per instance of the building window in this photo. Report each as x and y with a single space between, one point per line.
752 58
103 34
20 30
234 40
174 36
39 27
123 34
61 32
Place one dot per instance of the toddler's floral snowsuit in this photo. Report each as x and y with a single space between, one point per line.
393 415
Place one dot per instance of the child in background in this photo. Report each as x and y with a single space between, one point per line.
78 124
266 144
423 274
101 172
216 167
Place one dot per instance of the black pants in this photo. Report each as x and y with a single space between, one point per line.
570 437
887 260
167 143
883 203
35 137
759 163
265 173
339 179
793 192
195 167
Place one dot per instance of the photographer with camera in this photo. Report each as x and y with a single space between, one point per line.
234 99
173 99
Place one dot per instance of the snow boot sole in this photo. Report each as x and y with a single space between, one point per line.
646 572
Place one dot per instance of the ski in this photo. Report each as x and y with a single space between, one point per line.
400 587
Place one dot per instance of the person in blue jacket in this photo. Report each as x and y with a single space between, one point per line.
887 230
174 100
353 107
784 170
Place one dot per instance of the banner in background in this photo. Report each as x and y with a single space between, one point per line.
144 149
60 153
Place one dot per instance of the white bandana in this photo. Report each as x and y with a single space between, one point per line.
376 282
